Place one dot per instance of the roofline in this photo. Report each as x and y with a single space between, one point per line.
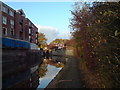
7 5
16 11
32 22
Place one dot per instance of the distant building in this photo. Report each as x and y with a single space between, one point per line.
16 26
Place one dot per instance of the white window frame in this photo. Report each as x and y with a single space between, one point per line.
4 20
5 9
29 31
5 31
11 13
29 38
12 23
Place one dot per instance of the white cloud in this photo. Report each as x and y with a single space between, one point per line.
65 35
53 33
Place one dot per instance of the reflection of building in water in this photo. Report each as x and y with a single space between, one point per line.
29 79
43 68
16 67
34 79
17 83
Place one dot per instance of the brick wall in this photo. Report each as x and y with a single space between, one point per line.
21 25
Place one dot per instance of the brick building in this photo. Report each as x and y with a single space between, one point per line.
8 26
31 34
16 26
19 24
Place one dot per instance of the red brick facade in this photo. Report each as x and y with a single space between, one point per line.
16 25
8 18
31 34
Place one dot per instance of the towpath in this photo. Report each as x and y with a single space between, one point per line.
69 77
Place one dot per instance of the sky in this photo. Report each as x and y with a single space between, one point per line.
51 18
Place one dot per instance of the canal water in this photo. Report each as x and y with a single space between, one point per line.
49 69
37 75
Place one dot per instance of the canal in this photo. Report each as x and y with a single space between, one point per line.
23 69
49 69
28 70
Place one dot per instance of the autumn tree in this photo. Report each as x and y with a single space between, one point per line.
96 31
42 40
58 41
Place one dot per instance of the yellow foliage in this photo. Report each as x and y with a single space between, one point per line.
98 21
42 40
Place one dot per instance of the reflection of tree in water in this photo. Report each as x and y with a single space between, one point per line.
54 61
43 68
59 65
56 64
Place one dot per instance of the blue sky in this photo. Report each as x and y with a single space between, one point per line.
52 18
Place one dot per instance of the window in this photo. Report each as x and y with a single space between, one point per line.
12 32
4 31
32 26
21 29
12 23
29 23
29 30
4 9
11 13
4 20
29 38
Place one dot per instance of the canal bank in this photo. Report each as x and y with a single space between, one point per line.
69 76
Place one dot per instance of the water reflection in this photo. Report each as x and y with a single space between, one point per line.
35 75
49 69
26 79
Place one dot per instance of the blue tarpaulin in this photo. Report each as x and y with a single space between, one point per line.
12 43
